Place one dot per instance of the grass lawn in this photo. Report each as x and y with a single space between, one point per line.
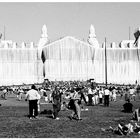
14 122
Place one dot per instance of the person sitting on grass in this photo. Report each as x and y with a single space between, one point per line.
128 107
121 129
137 128
124 129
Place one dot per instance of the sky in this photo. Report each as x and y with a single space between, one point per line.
23 21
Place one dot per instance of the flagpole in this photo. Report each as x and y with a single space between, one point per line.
105 64
4 33
129 32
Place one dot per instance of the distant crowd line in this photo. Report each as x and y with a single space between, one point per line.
93 93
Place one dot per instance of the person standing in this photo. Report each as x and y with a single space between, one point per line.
90 95
93 84
21 92
94 96
131 91
97 96
61 94
82 95
101 95
56 100
76 105
4 92
106 96
33 96
114 94
127 96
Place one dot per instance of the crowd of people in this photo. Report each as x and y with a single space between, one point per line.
71 95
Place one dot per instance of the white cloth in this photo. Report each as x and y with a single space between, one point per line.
4 91
131 91
93 99
106 92
76 96
94 91
33 95
86 98
46 99
42 90
21 91
90 91
100 94
114 94
96 99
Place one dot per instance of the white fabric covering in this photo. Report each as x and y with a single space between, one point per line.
68 59
72 59
18 66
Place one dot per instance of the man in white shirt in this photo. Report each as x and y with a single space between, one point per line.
33 96
101 95
90 95
131 91
106 97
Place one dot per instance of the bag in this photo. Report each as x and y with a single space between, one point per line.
71 104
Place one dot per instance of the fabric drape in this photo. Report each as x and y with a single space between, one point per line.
71 59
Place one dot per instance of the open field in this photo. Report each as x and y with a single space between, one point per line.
14 122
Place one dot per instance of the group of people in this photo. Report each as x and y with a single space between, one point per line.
124 129
100 95
18 91
74 94
33 97
69 95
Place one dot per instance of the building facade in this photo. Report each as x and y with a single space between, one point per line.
68 59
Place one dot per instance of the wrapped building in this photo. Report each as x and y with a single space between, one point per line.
69 59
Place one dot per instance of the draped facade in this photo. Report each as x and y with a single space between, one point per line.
123 65
68 59
20 66
72 59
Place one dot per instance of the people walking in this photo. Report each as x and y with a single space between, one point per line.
56 100
75 105
33 96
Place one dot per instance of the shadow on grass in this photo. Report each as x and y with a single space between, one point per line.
47 113
27 116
